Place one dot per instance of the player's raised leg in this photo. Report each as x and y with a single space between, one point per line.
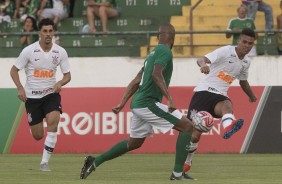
228 120
91 163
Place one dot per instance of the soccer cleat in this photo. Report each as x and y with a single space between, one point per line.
88 167
187 167
183 177
172 177
235 126
44 167
187 177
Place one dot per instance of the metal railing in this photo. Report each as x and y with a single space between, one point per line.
146 34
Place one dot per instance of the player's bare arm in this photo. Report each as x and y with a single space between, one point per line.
66 79
159 80
202 63
247 89
15 76
130 90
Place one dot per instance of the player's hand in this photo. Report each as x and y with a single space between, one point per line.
205 69
171 106
57 88
253 99
21 94
117 109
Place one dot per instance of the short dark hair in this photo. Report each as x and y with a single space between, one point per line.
45 22
34 23
249 32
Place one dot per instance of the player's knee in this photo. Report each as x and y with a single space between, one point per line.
195 139
196 136
133 147
38 136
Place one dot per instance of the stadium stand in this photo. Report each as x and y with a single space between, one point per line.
137 15
133 18
212 15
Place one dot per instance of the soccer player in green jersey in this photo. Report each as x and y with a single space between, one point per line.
148 88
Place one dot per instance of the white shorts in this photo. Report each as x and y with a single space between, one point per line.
144 120
51 13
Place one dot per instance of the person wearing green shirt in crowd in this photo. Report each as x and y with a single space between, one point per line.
239 23
148 88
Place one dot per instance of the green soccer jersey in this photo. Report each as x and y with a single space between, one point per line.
240 23
148 91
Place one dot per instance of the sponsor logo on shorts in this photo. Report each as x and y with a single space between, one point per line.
29 118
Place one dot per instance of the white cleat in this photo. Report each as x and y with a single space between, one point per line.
44 167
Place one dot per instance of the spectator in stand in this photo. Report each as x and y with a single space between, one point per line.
32 7
238 23
72 2
279 35
7 9
56 10
29 27
17 8
104 9
259 5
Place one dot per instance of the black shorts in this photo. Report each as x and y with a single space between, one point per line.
38 108
205 101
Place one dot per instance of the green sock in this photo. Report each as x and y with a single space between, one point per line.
182 145
116 151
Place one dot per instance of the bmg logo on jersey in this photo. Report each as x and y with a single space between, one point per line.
43 73
225 77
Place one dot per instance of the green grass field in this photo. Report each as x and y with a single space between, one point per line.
144 169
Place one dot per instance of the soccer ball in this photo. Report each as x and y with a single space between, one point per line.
203 121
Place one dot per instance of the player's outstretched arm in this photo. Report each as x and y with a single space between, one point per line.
247 89
130 90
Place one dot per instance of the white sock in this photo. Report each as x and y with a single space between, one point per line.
227 119
49 145
192 149
176 174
